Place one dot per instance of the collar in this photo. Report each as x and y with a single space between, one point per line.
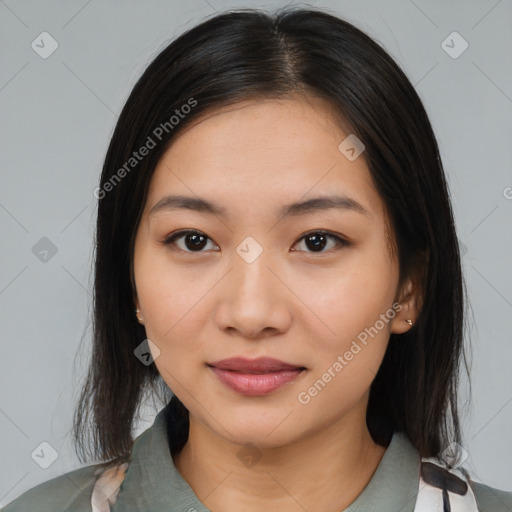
154 483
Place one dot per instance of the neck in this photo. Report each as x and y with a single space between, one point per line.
324 471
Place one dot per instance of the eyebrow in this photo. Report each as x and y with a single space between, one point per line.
316 204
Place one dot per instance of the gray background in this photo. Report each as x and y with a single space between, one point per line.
57 117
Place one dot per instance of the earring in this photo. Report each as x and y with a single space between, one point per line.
408 321
137 315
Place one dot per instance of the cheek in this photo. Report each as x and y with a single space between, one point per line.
345 364
172 306
162 291
349 301
352 338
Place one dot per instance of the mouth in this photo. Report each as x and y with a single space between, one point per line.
257 377
261 365
258 373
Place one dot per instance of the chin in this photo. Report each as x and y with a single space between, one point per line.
263 436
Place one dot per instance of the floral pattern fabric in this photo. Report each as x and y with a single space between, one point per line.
107 487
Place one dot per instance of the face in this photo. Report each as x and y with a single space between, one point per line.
254 280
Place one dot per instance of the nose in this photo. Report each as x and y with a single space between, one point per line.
254 301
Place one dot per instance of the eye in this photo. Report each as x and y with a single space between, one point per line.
318 240
195 241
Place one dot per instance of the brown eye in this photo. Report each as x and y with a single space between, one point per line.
193 241
318 240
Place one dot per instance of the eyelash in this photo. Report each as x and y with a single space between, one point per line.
341 242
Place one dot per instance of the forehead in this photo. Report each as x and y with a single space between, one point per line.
254 152
293 114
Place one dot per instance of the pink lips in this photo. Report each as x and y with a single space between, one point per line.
255 377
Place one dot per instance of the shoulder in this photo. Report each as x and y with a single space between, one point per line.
490 499
72 489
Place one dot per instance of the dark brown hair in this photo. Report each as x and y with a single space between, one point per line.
249 54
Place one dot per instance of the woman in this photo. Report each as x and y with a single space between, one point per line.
276 245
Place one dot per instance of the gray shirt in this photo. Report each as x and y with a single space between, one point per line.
153 484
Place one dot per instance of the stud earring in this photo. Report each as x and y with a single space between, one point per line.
137 311
408 321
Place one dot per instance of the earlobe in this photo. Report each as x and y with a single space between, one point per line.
407 314
138 312
402 323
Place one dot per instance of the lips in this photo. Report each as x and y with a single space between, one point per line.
254 366
256 377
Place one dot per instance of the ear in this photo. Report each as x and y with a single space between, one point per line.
137 306
409 310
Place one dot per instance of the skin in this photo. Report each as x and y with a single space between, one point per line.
292 303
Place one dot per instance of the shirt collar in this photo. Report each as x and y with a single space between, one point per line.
154 483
